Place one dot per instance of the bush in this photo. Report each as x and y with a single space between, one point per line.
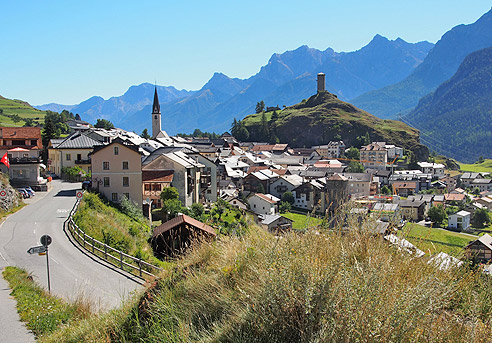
480 218
285 207
437 214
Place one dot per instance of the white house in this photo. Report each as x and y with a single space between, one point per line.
435 169
285 183
263 203
459 220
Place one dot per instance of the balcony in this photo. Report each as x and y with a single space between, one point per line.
24 160
87 161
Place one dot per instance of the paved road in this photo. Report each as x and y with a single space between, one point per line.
73 272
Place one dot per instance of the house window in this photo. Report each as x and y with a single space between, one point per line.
125 165
147 187
79 157
116 151
18 142
114 196
68 157
127 195
156 187
106 181
34 142
126 181
105 165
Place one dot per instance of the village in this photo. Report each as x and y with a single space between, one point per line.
266 180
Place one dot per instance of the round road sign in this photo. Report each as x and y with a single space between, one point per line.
3 193
79 195
45 240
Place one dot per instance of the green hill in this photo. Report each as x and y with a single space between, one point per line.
323 117
455 120
9 108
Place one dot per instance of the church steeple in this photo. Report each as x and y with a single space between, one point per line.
156 115
156 108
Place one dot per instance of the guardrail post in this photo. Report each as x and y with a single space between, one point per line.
105 252
93 244
121 259
140 267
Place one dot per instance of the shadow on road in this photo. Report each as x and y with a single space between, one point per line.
66 193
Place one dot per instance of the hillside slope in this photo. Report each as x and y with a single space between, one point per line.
323 117
439 65
10 107
456 119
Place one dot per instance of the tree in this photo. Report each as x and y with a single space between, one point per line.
284 207
274 116
480 218
437 215
29 122
234 127
104 124
385 190
171 208
219 208
480 160
16 118
264 132
169 193
243 133
77 117
352 153
355 167
197 211
288 197
145 134
260 106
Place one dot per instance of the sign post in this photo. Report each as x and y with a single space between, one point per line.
43 250
45 241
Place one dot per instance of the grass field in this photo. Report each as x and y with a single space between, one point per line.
302 221
486 166
21 108
432 240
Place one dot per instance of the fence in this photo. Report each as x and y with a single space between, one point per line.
113 256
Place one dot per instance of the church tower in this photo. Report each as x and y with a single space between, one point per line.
156 115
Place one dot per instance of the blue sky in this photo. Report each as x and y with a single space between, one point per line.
67 51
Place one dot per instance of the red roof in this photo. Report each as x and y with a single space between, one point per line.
183 218
157 175
454 197
20 132
264 197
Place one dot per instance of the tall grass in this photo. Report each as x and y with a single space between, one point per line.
112 227
312 287
42 312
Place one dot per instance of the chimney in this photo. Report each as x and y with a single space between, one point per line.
321 82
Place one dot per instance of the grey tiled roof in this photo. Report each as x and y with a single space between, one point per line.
78 141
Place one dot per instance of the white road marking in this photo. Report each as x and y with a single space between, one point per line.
51 258
3 258
61 210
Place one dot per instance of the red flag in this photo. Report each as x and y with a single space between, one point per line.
5 160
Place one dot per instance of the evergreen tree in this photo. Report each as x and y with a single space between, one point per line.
77 117
264 131
260 106
145 134
104 124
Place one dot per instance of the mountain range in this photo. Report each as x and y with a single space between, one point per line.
456 119
439 65
286 79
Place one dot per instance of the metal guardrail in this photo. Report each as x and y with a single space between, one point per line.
117 258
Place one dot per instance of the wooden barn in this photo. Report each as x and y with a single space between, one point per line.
176 235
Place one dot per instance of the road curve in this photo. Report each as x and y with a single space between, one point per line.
73 272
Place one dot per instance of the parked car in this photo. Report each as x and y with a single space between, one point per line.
24 193
30 191
86 185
